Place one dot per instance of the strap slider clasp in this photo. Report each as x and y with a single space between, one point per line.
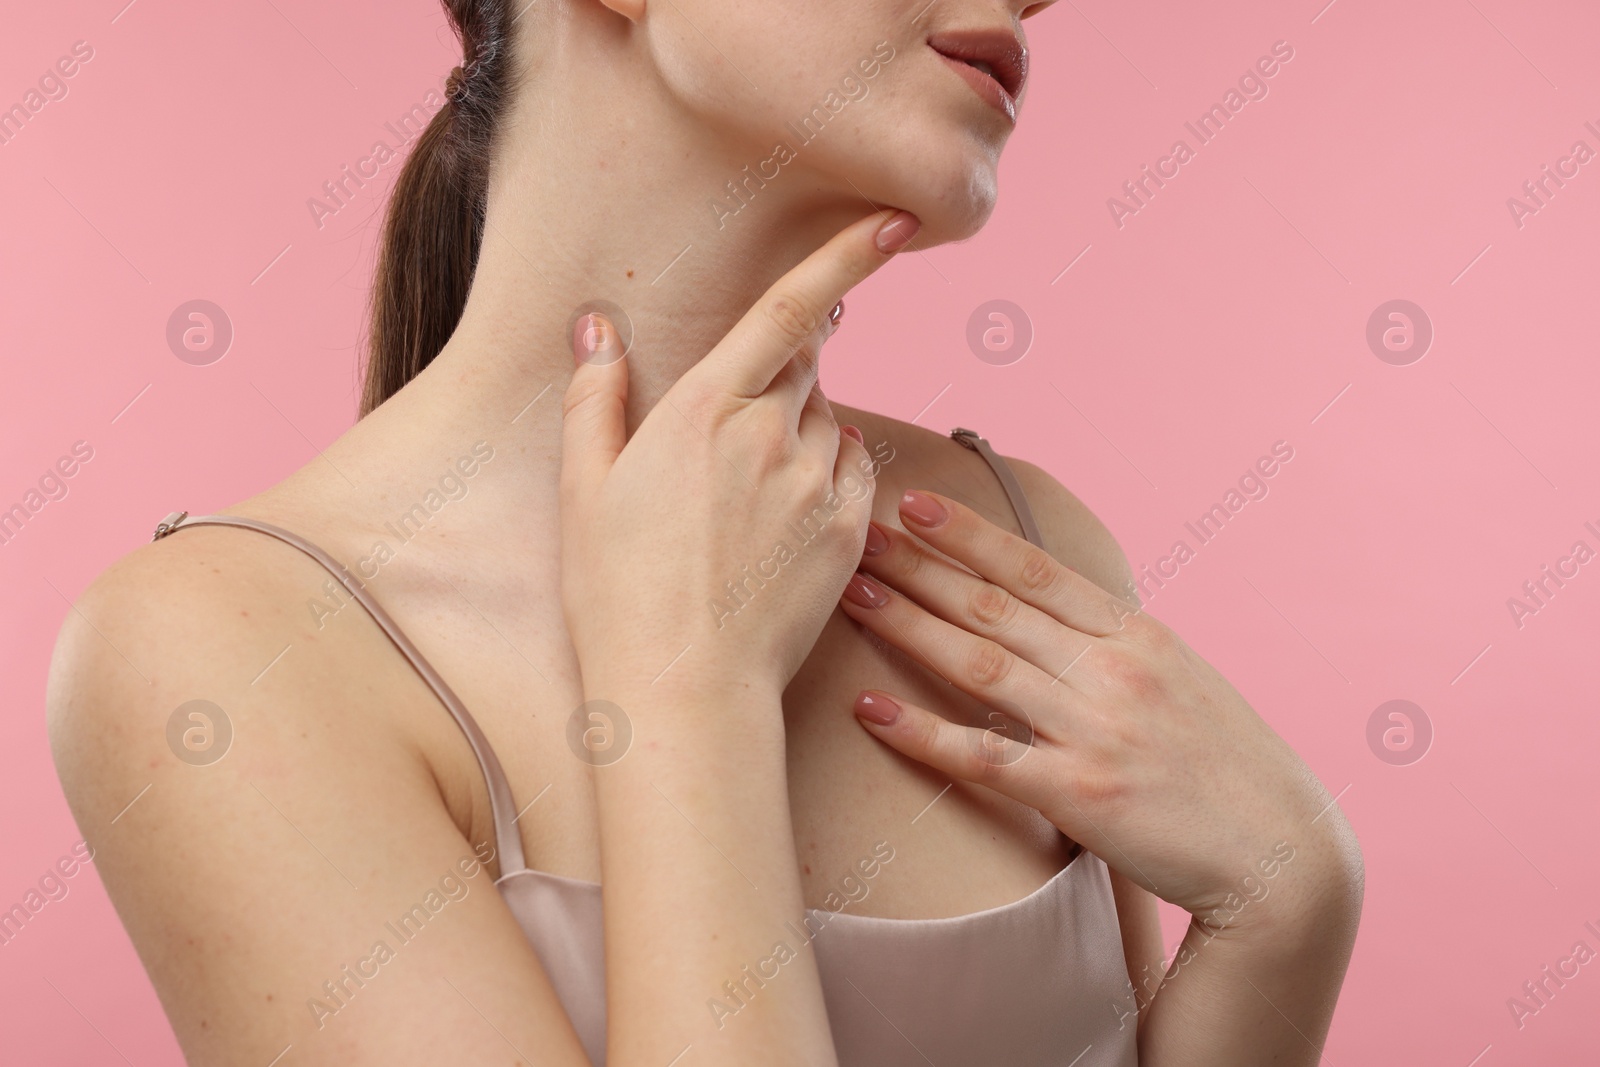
168 524
966 438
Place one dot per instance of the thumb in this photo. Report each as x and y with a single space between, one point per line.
593 416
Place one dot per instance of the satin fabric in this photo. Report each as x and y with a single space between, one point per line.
1039 982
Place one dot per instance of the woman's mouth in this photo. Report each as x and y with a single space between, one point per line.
993 61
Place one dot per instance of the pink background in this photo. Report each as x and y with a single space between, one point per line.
1223 317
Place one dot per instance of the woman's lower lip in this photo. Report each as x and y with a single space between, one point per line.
991 91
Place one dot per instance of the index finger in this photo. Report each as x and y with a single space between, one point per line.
763 341
1023 569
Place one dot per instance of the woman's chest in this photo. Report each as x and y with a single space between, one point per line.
933 848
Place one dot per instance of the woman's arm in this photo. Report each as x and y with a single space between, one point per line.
702 899
1262 988
1211 982
702 891
1141 751
308 894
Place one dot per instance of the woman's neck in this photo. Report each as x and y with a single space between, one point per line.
643 204
592 200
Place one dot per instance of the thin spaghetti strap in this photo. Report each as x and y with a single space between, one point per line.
1008 482
508 842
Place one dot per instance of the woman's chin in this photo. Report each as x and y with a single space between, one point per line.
954 213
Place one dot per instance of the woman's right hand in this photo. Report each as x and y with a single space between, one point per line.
725 529
721 477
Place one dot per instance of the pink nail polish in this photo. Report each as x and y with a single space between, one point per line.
875 707
877 544
593 339
923 510
864 592
854 433
898 232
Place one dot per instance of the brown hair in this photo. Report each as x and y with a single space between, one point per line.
433 227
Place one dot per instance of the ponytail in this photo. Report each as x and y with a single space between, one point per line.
433 226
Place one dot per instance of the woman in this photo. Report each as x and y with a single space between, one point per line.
918 812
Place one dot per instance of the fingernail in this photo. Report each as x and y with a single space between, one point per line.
864 592
593 338
898 232
923 510
836 316
877 544
852 432
875 707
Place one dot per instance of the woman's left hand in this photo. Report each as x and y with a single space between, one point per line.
1104 720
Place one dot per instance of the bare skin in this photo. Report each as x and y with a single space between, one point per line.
357 753
348 792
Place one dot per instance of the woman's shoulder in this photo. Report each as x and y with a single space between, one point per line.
1072 532
255 791
203 619
165 593
177 589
